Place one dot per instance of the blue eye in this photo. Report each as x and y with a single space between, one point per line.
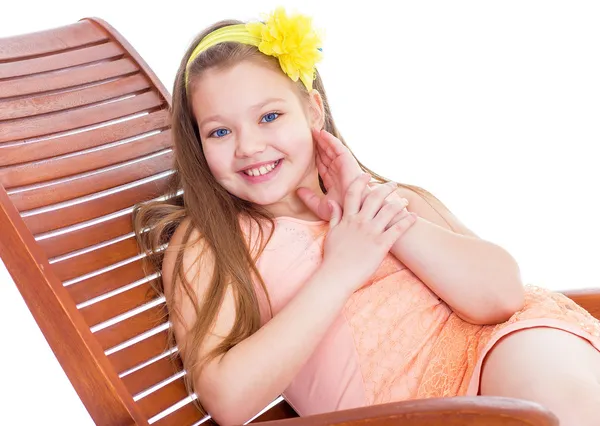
219 133
272 116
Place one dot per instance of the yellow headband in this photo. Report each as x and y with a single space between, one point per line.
291 39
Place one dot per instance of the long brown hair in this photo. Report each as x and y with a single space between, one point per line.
214 213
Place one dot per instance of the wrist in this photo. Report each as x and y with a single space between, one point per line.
337 278
410 236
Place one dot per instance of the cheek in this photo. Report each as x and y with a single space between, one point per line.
297 141
217 159
303 148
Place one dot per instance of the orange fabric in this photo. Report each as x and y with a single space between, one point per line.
395 340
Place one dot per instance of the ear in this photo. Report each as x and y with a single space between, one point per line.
316 110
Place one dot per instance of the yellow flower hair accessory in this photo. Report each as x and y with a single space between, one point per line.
291 39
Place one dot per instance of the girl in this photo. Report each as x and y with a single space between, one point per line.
287 273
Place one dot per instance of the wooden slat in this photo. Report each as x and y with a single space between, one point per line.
91 184
70 77
116 36
94 380
57 61
186 415
18 153
90 373
70 165
98 285
118 304
97 259
44 104
152 374
163 398
44 42
141 352
74 119
131 327
70 215
85 237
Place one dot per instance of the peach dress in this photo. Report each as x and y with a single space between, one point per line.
395 339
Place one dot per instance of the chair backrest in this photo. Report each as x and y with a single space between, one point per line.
84 136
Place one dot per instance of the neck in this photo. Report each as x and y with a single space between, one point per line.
293 206
299 211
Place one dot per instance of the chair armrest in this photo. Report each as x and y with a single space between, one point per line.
464 411
588 299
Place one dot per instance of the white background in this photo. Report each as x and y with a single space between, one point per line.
492 106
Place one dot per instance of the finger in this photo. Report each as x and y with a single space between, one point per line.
331 153
321 168
375 199
335 212
403 212
325 174
325 159
401 215
336 145
398 229
331 147
323 147
327 181
388 215
366 192
353 197
318 136
315 203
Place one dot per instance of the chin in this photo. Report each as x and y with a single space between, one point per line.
282 187
265 199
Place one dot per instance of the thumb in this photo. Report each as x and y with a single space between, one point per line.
336 213
315 203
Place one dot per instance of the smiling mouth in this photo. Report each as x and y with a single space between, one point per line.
262 170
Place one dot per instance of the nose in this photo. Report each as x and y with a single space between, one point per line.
249 142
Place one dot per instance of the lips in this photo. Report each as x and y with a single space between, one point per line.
261 170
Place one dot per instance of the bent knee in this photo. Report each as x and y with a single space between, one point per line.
539 357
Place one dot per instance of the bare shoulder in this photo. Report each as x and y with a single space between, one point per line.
198 267
194 253
188 297
430 208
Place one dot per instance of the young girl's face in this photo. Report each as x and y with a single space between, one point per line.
255 129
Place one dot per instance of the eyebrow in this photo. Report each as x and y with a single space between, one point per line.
259 105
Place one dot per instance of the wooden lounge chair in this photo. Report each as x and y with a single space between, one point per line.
84 136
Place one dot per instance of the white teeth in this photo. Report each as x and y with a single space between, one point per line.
262 170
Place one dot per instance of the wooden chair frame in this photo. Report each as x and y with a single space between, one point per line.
30 109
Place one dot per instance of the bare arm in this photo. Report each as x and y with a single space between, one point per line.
479 280
237 385
262 366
